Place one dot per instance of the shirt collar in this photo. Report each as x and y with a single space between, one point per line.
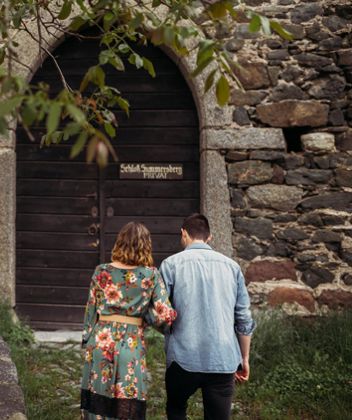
198 245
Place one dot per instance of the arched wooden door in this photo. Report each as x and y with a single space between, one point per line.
68 212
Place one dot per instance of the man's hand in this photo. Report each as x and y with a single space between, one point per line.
243 374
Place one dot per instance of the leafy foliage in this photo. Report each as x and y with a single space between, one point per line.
182 25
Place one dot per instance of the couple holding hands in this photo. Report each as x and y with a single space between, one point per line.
198 300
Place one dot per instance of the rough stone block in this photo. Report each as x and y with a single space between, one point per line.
344 177
249 172
7 223
260 271
214 204
325 235
317 275
328 88
344 141
246 248
318 142
335 298
313 60
244 138
12 401
347 278
281 295
335 200
249 97
306 12
291 113
278 197
305 176
344 57
260 227
285 91
252 75
292 235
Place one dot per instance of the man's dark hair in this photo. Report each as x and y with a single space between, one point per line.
197 226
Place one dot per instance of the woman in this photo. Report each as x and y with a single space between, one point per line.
121 294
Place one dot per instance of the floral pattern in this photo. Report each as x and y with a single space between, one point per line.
115 362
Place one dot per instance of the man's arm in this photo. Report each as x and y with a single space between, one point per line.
168 277
244 326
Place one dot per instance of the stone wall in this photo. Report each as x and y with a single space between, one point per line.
291 182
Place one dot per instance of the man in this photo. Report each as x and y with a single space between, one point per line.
208 346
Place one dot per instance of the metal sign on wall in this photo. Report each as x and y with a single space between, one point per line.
151 171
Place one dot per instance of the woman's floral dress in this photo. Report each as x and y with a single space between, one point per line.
114 373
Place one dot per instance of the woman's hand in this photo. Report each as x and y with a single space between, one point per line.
242 375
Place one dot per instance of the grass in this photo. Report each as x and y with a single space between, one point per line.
301 369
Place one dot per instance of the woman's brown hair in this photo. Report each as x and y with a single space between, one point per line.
133 245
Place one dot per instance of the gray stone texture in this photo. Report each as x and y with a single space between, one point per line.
290 113
344 177
278 197
252 75
215 202
249 97
318 142
7 224
334 200
244 139
11 396
249 172
305 176
306 12
260 227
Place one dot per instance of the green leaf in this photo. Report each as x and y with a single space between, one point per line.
265 22
136 60
65 10
205 51
136 21
202 66
276 27
156 3
29 113
104 56
169 35
79 144
53 118
9 105
123 104
148 65
109 19
222 91
110 130
71 129
218 10
209 81
96 75
77 23
124 48
254 24
75 113
117 63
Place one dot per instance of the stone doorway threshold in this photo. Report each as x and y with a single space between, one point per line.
59 336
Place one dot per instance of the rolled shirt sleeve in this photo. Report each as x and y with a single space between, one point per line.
244 323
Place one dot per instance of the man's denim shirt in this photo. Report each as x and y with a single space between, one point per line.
208 291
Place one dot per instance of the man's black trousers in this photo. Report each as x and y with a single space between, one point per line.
217 391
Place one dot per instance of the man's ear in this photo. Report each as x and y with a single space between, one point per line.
210 237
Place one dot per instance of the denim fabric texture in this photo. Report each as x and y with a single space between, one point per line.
208 291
